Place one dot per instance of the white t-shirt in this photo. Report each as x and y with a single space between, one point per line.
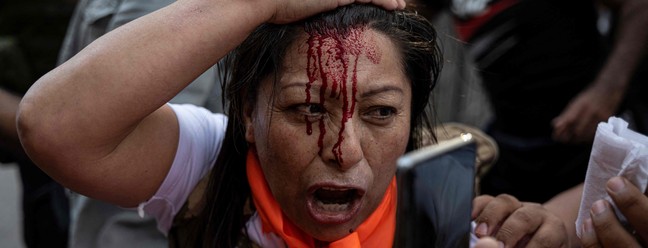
201 137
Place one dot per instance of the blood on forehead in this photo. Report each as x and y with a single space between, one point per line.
332 58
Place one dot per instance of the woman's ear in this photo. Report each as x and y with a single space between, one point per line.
248 111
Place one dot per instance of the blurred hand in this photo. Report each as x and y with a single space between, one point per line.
517 224
578 121
604 228
292 10
487 242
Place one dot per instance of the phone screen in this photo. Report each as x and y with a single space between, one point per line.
435 198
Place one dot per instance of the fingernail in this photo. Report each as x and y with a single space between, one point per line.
482 230
598 207
616 184
501 244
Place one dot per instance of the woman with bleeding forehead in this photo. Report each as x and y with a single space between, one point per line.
319 111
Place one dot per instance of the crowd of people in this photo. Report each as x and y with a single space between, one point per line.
321 99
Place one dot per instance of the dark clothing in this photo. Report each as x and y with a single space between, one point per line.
36 28
534 57
31 33
540 56
46 209
534 172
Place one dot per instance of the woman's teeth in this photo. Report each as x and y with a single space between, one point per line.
333 207
331 199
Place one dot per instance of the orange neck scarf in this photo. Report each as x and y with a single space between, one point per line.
375 231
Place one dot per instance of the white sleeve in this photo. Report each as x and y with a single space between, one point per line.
201 135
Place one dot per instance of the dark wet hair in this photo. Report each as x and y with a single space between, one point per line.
261 56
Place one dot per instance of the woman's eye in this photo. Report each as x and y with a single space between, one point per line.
382 112
311 109
386 111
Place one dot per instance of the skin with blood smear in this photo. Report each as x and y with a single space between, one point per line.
333 57
328 132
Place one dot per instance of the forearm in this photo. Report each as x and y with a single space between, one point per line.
95 123
98 125
566 205
102 94
630 45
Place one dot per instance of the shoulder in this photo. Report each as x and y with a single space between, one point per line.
201 134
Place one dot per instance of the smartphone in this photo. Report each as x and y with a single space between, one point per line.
435 192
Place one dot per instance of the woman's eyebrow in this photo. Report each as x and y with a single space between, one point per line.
381 90
299 85
366 94
295 84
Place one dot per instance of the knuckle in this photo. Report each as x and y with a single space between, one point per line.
482 219
483 198
533 205
547 241
507 198
524 216
551 239
505 233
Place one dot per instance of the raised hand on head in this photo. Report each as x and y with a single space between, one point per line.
292 10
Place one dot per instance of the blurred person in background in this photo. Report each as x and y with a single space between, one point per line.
552 70
31 33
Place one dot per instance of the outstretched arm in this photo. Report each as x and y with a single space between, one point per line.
98 123
565 205
601 99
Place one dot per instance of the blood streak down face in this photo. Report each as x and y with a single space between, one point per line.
333 59
328 179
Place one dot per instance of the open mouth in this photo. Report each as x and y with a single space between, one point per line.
334 205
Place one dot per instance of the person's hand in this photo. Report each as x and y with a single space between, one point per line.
604 228
292 10
516 223
487 242
578 121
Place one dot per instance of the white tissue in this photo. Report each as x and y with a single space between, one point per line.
617 151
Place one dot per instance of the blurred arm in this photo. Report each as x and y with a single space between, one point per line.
8 133
96 124
602 98
630 45
565 205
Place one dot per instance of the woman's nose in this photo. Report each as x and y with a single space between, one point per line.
344 148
